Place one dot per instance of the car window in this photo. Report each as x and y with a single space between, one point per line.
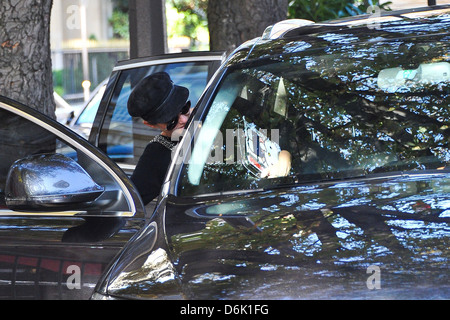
89 112
83 123
21 138
340 112
124 138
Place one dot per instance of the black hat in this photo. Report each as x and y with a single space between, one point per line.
157 99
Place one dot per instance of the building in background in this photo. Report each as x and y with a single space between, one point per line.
102 50
67 44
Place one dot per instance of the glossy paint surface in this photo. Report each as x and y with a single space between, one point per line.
318 241
57 257
382 233
51 252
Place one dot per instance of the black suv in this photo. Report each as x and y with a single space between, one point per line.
59 228
314 166
362 108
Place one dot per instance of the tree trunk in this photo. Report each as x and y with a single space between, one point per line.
147 28
25 56
233 22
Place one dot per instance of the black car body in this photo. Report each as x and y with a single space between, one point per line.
362 105
58 228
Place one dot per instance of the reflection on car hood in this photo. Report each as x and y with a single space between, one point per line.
320 241
421 22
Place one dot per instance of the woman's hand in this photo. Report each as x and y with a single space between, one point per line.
279 169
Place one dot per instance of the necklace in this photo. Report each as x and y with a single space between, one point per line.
164 141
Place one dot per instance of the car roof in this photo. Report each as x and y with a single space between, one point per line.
383 25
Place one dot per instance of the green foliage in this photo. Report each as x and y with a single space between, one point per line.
184 18
58 84
119 19
321 10
120 23
192 6
186 23
121 5
187 18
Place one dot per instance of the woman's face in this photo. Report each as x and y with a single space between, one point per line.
182 120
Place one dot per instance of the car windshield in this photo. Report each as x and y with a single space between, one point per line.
343 111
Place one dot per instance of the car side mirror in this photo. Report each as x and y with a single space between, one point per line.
49 182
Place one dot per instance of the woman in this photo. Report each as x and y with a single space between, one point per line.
164 106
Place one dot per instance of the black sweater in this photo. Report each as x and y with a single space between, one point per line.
151 170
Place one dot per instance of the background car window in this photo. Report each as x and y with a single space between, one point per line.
368 109
20 138
124 138
83 123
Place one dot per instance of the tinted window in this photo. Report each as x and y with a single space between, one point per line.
83 123
124 138
20 138
340 112
89 112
